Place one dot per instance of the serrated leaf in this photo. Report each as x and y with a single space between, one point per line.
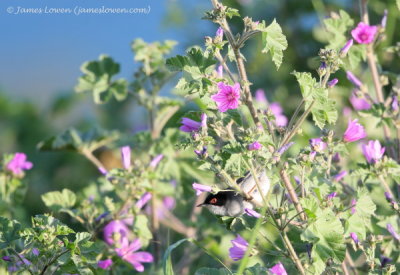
97 78
57 200
274 41
324 109
74 140
337 28
326 235
8 231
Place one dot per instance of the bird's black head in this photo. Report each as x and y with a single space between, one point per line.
224 203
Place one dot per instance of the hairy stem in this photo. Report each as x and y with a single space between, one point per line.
292 194
293 253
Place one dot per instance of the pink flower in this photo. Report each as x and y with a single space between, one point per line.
353 79
227 97
364 34
317 144
280 119
252 213
260 96
255 146
126 156
105 264
359 103
220 71
200 188
354 237
278 269
346 47
237 251
143 200
115 230
393 232
333 82
156 160
353 206
219 32
127 252
189 125
340 175
373 151
203 120
18 164
355 131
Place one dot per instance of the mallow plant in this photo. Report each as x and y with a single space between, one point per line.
278 205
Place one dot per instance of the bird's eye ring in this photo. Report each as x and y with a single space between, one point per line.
213 201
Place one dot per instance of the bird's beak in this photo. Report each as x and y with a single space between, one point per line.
201 204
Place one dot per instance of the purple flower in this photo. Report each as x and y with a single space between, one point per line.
237 251
127 252
364 34
220 32
353 79
35 251
115 230
168 203
280 119
189 125
384 18
391 230
336 157
254 146
384 261
373 151
220 71
333 82
126 156
102 216
200 188
388 197
354 237
252 213
317 144
6 258
203 120
353 209
395 103
331 196
143 200
340 175
155 161
312 155
278 269
103 170
18 164
359 103
355 131
260 96
284 148
105 264
346 47
201 153
227 96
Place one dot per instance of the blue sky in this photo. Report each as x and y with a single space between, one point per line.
41 53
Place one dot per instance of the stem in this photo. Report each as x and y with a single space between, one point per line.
22 260
155 224
385 185
292 194
223 63
373 68
53 261
292 252
89 155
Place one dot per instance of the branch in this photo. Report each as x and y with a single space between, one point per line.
292 194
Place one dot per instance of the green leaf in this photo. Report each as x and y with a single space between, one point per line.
212 271
274 41
398 4
337 27
73 140
57 200
326 235
324 109
8 231
167 264
195 62
97 78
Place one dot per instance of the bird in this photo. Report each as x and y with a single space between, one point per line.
232 203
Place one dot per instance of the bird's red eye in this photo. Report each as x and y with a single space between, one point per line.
213 201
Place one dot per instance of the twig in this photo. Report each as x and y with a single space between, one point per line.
293 253
292 194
